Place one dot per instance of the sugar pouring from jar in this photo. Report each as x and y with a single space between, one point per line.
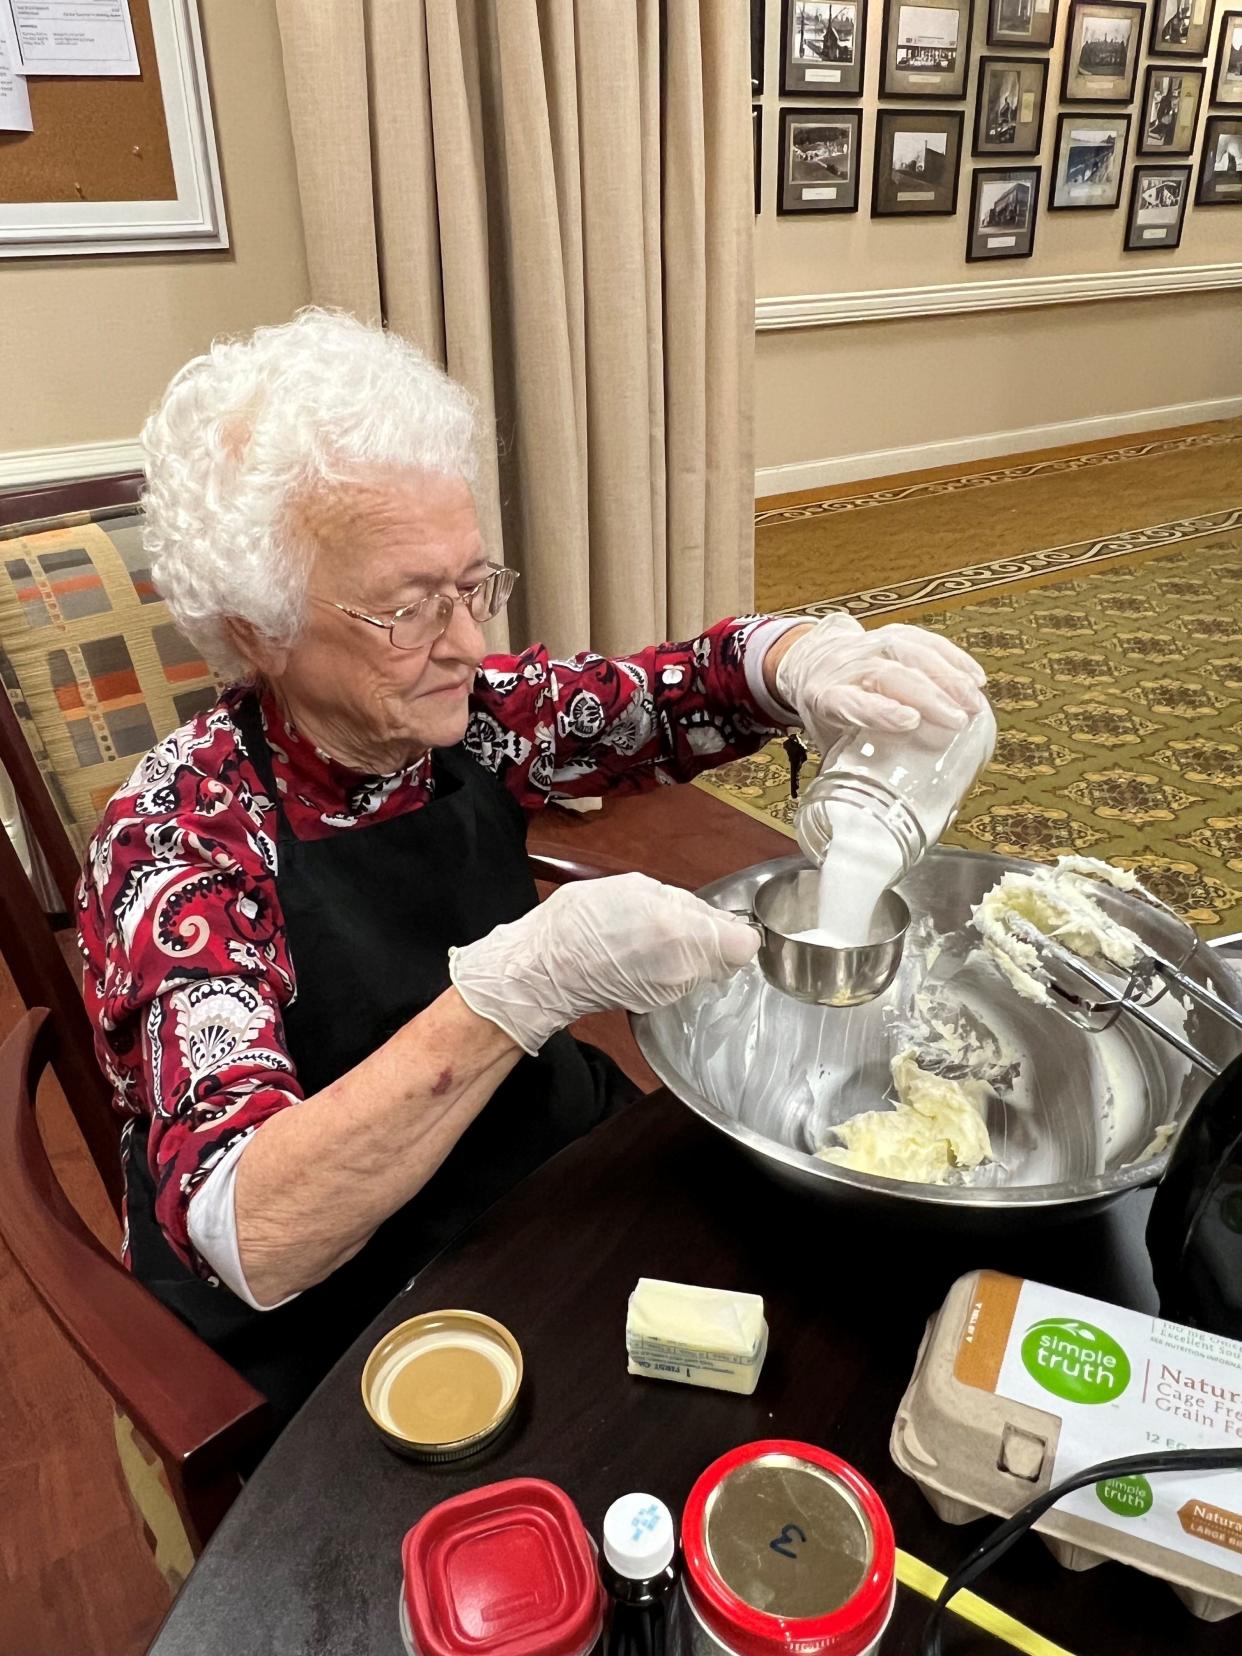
881 799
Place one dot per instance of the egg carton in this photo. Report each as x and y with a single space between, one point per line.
975 1454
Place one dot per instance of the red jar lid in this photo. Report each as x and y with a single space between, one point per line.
794 1529
507 1570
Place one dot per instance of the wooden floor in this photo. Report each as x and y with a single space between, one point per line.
76 1578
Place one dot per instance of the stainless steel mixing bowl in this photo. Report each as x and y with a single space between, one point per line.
1074 1122
788 903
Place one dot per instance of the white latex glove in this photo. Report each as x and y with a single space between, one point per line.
625 941
839 677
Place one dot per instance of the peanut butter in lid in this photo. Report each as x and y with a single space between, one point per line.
440 1386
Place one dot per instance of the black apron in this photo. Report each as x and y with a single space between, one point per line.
370 914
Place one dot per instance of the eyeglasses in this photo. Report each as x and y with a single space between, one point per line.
422 622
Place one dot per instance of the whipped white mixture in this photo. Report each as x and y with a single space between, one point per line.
1056 902
937 1128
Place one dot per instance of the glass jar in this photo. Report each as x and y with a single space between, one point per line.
909 784
788 1552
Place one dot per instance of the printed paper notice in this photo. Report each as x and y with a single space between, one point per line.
75 37
819 192
1002 241
14 99
823 75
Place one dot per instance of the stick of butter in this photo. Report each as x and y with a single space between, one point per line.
700 1336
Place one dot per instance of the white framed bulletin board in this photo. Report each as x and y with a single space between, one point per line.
119 162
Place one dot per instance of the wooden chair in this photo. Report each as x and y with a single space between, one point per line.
196 1412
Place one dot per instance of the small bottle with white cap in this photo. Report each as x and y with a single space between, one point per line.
639 1573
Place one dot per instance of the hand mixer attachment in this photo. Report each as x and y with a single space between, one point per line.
1079 946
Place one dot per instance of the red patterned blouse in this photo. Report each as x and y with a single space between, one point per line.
179 882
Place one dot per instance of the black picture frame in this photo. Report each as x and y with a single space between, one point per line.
1038 38
1185 139
993 247
832 78
1210 192
756 138
1231 37
1140 237
891 123
800 196
758 30
1086 204
1166 13
1029 133
1074 84
918 82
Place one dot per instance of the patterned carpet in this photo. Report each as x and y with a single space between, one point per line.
1116 672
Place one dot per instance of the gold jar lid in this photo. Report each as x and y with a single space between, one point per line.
441 1385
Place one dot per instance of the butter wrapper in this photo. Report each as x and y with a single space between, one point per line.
696 1336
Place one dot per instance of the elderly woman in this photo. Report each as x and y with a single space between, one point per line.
325 995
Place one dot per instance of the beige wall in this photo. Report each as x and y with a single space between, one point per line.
88 344
823 393
829 393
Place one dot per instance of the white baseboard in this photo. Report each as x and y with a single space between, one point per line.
22 467
988 445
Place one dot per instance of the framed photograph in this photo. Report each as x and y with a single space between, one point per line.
756 134
823 47
1227 80
1009 106
758 22
1180 28
1169 113
187 216
1090 154
1220 171
1003 205
926 49
1102 48
1022 22
918 154
819 161
1158 198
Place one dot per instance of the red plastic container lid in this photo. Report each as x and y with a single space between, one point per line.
797 1502
507 1570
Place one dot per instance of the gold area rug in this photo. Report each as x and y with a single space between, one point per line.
865 535
1115 668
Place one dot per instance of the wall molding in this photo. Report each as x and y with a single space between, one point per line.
21 467
821 310
990 445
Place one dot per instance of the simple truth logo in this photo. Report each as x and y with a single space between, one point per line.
1075 1360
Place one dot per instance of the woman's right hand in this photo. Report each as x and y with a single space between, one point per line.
626 941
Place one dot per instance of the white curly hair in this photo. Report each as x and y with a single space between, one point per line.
245 428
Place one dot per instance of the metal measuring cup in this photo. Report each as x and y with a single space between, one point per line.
816 972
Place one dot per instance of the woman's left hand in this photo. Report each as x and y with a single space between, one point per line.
837 676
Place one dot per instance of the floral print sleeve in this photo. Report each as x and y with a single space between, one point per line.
186 969
599 724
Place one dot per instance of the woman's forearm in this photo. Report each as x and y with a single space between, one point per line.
317 1179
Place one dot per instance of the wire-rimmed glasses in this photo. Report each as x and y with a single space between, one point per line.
419 624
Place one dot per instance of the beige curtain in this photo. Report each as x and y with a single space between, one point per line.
553 198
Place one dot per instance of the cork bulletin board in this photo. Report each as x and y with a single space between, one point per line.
94 140
119 164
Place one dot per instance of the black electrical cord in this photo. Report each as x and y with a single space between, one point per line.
998 1543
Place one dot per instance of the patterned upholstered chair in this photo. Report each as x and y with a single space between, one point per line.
93 673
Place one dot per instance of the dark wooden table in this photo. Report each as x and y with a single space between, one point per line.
307 1562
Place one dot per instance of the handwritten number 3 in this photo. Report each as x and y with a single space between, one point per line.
785 1540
